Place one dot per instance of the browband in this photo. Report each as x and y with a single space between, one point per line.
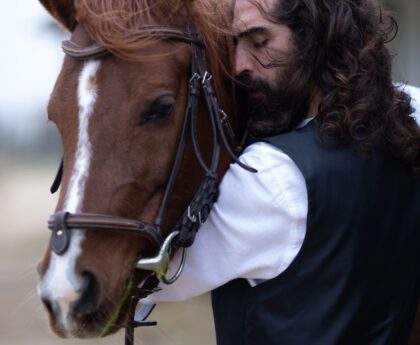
151 31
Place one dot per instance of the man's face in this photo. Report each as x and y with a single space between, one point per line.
271 97
259 42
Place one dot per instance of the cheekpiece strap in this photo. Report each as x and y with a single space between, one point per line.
197 213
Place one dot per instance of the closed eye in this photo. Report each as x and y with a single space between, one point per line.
260 44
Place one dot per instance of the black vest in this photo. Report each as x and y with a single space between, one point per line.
356 280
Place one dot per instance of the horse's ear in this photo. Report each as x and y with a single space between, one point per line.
62 10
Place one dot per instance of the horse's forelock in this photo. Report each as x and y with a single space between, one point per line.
115 26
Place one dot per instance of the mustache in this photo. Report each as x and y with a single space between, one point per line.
247 84
280 110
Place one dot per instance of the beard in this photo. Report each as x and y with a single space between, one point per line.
273 110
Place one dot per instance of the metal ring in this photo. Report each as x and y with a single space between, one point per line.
175 277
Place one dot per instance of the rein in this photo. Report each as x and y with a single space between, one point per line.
184 232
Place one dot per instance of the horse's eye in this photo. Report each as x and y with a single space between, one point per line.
159 110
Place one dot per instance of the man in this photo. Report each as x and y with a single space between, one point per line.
322 245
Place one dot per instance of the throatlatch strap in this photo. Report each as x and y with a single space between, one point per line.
58 177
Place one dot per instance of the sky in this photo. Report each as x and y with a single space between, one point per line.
30 60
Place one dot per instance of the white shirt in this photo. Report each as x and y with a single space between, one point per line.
255 229
414 92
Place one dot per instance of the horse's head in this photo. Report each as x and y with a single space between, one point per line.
120 117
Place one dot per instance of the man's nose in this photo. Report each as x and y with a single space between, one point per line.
244 63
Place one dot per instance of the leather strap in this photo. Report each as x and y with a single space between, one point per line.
164 32
60 238
67 221
81 53
58 177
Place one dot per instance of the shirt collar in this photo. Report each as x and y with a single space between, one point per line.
305 122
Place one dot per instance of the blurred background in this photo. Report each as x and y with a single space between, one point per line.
29 154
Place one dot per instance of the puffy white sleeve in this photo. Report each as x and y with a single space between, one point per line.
254 231
414 93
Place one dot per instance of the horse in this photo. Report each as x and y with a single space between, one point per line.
121 104
138 142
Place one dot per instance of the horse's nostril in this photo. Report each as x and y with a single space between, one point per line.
90 295
47 304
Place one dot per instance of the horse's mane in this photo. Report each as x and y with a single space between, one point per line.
114 24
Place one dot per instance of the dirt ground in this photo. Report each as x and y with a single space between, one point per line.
25 204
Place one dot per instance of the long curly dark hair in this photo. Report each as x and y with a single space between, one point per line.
340 48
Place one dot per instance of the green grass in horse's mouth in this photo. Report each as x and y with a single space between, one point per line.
111 324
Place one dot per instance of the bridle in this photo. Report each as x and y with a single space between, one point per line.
184 232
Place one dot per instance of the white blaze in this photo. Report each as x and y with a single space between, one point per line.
61 284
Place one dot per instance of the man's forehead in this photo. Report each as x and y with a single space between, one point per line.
247 14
